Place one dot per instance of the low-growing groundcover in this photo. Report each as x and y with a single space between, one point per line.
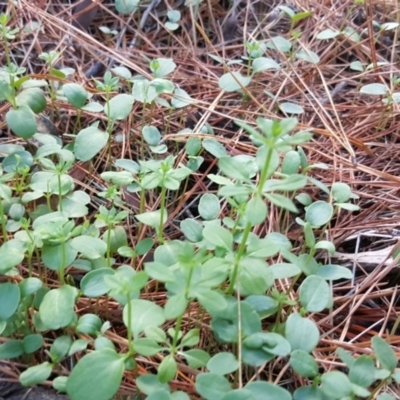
127 287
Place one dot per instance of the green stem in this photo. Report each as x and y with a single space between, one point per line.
3 221
238 257
162 211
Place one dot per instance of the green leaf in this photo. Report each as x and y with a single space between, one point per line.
196 358
362 371
308 393
239 394
212 386
314 294
75 94
181 99
341 192
119 107
89 324
284 270
319 213
11 349
211 300
192 230
209 207
291 163
32 343
118 178
162 67
33 98
263 305
233 81
192 338
60 348
291 108
37 374
327 34
89 246
309 56
279 43
326 245
336 384
214 147
149 384
263 63
301 333
223 363
288 184
176 306
10 296
218 236
140 314
234 168
303 364
334 272
167 369
93 284
97 376
267 391
89 142
151 135
256 210
57 307
58 256
152 218
281 201
146 347
22 122
378 89
384 353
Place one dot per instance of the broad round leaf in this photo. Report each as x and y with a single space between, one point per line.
209 207
334 272
314 294
378 89
10 296
140 314
319 213
119 106
11 349
233 81
291 108
11 254
267 391
22 122
303 364
212 386
93 284
32 343
37 374
336 384
341 192
302 333
223 363
97 376
384 353
89 246
33 98
89 142
57 307
75 94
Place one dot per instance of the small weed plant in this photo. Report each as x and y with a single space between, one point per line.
236 300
